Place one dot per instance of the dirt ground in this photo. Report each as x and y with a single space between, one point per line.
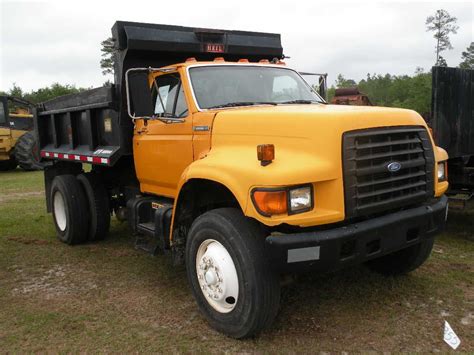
109 297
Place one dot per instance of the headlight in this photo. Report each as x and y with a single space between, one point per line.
442 171
300 199
291 200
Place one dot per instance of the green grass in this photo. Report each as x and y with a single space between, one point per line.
20 181
108 297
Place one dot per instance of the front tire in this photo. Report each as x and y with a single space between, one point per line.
231 280
70 209
403 261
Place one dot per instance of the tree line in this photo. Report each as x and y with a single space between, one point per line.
412 92
405 91
43 94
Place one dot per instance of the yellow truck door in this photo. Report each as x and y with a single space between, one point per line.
163 150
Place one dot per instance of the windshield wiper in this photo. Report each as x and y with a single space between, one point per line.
299 102
243 103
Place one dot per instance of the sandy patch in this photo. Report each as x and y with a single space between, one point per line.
55 282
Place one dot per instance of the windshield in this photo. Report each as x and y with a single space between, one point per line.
225 86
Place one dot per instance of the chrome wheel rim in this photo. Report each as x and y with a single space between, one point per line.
217 276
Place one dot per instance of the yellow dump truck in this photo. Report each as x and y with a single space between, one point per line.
221 156
18 144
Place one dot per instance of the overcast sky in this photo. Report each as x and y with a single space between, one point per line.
43 42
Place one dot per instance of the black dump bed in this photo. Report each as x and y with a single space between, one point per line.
81 127
93 126
453 110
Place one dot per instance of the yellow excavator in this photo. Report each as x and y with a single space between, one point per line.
18 143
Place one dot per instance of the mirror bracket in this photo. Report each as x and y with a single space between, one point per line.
149 109
145 110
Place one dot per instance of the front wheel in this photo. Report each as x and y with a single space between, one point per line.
231 280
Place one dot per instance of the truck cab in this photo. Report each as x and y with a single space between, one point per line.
232 164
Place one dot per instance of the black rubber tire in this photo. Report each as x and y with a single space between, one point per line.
6 165
403 261
27 152
259 286
99 206
75 206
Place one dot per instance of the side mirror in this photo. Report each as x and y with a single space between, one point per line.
139 100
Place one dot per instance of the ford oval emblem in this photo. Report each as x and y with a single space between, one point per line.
394 166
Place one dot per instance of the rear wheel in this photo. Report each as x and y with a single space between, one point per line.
231 280
69 207
98 203
403 261
27 152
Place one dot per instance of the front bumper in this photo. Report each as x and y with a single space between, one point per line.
356 243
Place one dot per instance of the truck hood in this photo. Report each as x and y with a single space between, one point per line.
308 121
305 137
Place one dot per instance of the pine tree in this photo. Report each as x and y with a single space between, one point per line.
442 24
441 62
108 56
468 58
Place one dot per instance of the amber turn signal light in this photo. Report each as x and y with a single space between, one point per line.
265 153
271 202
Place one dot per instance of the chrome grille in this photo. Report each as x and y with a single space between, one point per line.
369 186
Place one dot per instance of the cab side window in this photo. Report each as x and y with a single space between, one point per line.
181 109
168 96
3 119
